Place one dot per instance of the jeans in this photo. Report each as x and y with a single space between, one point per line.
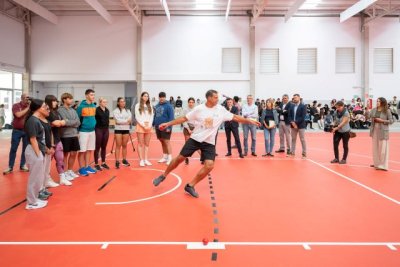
269 137
16 137
253 131
336 140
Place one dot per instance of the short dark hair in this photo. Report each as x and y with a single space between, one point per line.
210 93
191 99
296 95
162 94
88 91
339 104
236 98
229 99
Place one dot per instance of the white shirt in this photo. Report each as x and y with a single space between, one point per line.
207 122
250 112
146 118
122 116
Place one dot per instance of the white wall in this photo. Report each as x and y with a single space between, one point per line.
385 33
325 34
111 91
184 57
84 48
12 44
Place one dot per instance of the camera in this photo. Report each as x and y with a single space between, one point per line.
328 128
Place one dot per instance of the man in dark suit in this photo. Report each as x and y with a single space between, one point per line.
284 124
297 115
232 126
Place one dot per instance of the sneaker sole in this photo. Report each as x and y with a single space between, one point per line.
191 194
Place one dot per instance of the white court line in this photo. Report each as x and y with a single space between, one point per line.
351 153
357 183
147 198
358 166
200 245
226 158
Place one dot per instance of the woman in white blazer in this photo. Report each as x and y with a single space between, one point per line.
144 115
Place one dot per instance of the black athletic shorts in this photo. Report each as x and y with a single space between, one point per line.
191 146
121 132
70 144
163 134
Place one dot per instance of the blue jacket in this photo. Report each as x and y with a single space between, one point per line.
276 118
87 113
163 112
300 115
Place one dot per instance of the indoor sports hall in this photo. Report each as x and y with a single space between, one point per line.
168 82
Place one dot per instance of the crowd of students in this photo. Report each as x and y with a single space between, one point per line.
51 129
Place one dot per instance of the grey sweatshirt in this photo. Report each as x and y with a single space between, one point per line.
72 122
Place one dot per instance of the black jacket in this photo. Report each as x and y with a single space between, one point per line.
232 123
284 112
102 118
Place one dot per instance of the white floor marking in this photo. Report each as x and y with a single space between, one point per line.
210 245
147 198
358 166
356 182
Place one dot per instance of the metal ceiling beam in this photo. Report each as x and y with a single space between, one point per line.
379 12
38 9
166 9
355 9
293 9
258 9
134 10
101 10
228 9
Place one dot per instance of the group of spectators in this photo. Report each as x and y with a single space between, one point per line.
56 129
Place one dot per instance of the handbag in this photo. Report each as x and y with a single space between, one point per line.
352 134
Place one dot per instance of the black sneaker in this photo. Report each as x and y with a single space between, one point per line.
97 167
117 164
254 154
158 180
187 161
334 161
47 192
228 154
190 190
105 166
125 163
241 156
280 151
343 161
43 196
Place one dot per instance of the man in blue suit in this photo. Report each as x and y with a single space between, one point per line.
297 114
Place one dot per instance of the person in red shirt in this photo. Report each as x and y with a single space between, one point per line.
20 111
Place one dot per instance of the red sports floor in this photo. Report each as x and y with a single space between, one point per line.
259 212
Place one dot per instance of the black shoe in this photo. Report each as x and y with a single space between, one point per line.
269 154
372 166
158 180
241 156
253 154
343 161
117 164
216 154
43 196
105 166
228 154
265 155
125 163
280 151
47 192
98 168
245 154
190 190
187 161
334 161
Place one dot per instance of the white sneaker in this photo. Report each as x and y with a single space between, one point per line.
141 163
71 175
51 183
39 204
147 163
162 160
64 179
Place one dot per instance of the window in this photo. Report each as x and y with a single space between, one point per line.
269 60
6 79
307 60
231 60
345 60
18 81
383 60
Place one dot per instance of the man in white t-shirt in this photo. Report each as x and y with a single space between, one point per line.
207 117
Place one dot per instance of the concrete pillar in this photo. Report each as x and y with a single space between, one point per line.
365 87
139 60
252 62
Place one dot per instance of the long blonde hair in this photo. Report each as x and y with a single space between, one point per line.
141 103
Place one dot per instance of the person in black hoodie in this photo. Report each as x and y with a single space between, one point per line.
102 133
